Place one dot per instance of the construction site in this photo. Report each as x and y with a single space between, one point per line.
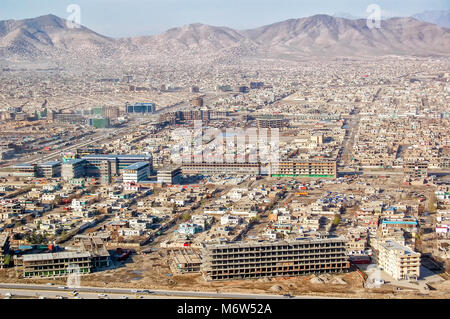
269 259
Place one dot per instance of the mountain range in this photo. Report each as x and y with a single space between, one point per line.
320 35
438 17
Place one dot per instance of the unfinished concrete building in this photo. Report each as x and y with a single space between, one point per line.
185 261
271 259
100 255
54 264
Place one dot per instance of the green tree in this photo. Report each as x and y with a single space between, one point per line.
7 260
432 203
336 220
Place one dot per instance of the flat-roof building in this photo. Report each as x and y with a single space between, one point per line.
270 259
96 246
136 172
186 261
415 170
169 175
49 169
56 264
271 121
140 108
4 249
74 168
118 163
399 261
25 170
327 169
222 168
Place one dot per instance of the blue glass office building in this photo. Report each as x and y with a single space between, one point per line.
140 108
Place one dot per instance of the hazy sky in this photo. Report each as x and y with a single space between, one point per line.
119 18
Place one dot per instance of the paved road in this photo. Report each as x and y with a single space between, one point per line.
98 138
117 293
349 141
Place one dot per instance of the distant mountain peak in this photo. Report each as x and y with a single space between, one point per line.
438 17
318 35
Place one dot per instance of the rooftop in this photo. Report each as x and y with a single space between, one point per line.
3 240
393 245
112 156
61 255
75 161
137 165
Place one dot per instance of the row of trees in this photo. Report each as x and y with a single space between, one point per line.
36 239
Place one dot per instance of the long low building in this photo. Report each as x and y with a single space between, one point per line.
91 255
56 264
271 259
169 175
222 168
325 169
4 249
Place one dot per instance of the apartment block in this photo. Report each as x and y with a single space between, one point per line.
327 169
271 259
136 172
399 261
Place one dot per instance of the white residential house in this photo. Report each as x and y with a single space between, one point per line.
130 232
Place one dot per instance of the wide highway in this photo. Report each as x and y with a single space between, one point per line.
53 291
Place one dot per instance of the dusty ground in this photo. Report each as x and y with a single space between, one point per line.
150 272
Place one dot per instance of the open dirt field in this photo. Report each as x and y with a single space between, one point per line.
151 272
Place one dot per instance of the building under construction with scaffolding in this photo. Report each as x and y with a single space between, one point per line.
271 259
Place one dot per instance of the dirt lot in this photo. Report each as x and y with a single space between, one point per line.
150 272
